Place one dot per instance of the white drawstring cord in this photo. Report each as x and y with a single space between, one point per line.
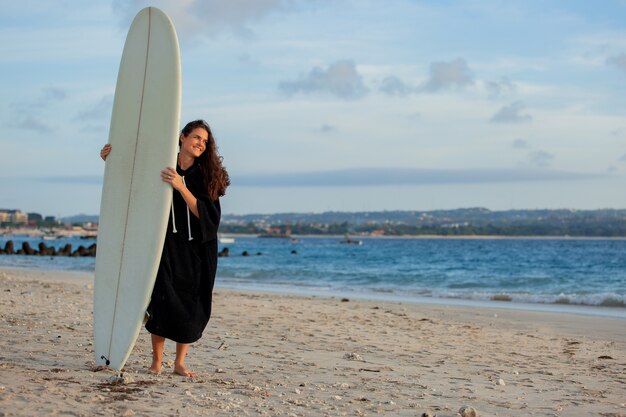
188 215
173 217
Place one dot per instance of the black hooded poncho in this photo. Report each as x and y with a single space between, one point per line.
180 306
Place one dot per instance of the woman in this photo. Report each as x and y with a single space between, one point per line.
180 306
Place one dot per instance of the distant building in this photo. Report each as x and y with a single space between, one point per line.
34 218
50 220
19 218
13 216
277 232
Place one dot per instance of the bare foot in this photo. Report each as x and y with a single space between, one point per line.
182 371
155 368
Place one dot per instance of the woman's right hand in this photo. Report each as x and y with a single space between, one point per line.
105 151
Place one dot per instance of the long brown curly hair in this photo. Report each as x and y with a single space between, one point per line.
214 173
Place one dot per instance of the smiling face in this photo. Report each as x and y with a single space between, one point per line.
195 143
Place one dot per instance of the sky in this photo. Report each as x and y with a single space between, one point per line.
335 105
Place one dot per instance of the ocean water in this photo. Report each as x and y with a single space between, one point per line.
560 272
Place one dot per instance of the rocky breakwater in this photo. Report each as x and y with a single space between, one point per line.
44 250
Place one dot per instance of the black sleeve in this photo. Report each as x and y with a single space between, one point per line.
210 213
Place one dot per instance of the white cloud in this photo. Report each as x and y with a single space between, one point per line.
618 132
520 144
608 39
207 17
326 128
618 61
623 158
504 87
540 159
54 94
27 122
100 111
29 115
47 97
444 75
340 79
511 114
448 75
394 86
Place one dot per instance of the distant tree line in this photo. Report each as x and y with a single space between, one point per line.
580 230
461 222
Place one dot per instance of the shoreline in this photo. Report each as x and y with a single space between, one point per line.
268 354
498 302
617 312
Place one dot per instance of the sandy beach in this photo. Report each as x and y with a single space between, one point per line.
277 355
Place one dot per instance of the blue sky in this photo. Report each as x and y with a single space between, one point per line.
335 105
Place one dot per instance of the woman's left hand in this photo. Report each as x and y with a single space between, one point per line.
170 176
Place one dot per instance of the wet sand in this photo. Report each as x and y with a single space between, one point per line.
279 355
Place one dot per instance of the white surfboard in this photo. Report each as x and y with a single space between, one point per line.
135 202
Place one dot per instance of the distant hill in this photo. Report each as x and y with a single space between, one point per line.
475 215
466 221
80 218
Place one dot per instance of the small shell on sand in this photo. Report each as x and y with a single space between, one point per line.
353 356
467 411
120 379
